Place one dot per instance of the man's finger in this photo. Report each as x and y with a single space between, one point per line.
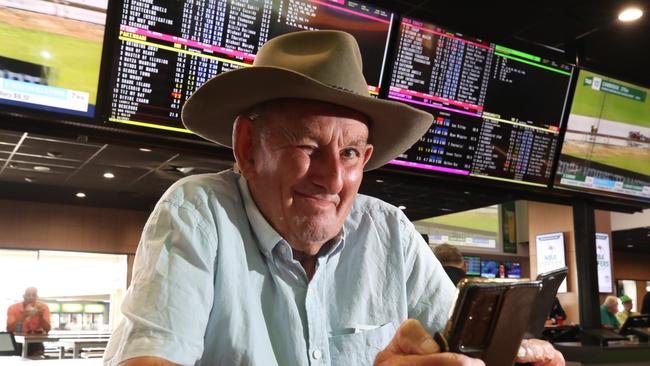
439 359
412 338
540 353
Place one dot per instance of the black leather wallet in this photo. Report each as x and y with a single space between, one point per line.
489 320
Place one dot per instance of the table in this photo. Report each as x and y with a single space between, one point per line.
26 339
78 343
19 361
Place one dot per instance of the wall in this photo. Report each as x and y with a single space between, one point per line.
31 225
633 266
544 218
621 221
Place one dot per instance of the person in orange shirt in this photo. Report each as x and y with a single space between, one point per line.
29 316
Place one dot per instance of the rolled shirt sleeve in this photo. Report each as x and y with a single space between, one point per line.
167 306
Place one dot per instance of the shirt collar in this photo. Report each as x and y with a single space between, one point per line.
267 237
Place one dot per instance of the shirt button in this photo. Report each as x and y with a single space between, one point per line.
316 354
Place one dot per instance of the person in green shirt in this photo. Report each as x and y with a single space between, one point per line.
608 311
622 316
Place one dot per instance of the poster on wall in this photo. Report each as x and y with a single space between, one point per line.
604 263
550 254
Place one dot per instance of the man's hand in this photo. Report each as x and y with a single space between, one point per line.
413 346
539 353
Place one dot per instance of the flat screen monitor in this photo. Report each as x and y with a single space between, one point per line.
473 264
50 54
606 147
497 111
489 268
167 49
604 260
513 269
549 250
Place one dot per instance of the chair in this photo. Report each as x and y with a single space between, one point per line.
8 345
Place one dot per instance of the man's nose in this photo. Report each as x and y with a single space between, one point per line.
327 171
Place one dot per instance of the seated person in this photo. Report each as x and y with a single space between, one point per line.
608 311
622 316
452 261
28 317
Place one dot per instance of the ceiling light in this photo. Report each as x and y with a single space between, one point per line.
81 195
40 168
109 175
53 154
630 245
379 180
144 149
401 207
630 14
30 179
185 169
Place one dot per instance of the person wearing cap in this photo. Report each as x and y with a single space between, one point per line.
622 316
285 263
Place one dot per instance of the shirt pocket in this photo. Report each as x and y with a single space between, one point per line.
360 348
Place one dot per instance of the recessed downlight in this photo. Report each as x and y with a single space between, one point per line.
144 149
81 195
30 179
40 168
379 180
630 14
401 207
109 175
630 245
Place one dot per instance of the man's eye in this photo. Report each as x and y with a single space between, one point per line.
350 153
307 148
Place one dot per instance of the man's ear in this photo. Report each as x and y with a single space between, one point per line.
243 145
367 154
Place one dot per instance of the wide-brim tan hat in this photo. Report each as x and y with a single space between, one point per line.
317 65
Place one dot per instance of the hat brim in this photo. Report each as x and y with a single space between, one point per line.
211 111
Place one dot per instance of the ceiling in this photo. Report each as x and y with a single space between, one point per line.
42 168
586 28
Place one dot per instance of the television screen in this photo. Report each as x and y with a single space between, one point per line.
497 111
604 260
477 228
549 250
489 268
167 49
473 264
606 147
513 269
50 54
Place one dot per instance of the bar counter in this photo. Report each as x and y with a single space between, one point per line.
619 354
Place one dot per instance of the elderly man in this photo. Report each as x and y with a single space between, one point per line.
608 311
286 264
29 316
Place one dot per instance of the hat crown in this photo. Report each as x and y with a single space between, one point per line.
329 57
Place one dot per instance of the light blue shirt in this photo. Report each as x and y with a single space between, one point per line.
214 284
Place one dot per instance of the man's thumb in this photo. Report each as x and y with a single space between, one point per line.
412 338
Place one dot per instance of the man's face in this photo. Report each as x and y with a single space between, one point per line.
308 161
628 306
613 308
30 296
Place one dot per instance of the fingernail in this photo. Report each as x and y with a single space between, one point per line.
521 353
429 346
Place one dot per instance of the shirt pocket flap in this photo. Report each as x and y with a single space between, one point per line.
360 347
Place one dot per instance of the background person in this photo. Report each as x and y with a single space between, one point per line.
452 261
608 311
28 317
622 316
